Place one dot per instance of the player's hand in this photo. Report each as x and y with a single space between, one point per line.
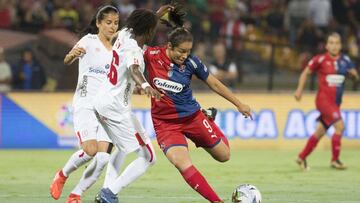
298 95
163 10
138 90
77 52
153 93
245 110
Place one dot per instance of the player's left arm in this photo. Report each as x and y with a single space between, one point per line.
225 92
353 72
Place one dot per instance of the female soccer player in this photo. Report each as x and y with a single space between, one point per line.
331 68
177 115
94 51
113 101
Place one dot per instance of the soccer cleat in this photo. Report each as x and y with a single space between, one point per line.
57 185
302 164
337 164
210 113
73 198
106 196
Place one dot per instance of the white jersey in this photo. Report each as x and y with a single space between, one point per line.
93 68
114 96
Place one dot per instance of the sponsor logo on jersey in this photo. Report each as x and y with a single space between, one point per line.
97 70
167 85
154 52
335 80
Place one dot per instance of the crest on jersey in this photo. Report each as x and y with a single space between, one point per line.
182 68
170 73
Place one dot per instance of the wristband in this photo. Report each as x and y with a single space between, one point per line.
145 85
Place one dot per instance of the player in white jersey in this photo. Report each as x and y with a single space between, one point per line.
113 101
94 51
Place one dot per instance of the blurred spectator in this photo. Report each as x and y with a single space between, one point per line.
232 30
222 67
126 7
5 73
7 13
297 11
66 16
309 35
216 16
28 75
275 20
35 18
197 14
320 13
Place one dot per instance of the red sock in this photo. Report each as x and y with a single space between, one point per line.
336 146
310 146
193 177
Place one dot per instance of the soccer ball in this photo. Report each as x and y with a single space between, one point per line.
246 193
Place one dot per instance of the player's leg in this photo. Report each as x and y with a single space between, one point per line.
336 145
93 171
179 157
85 124
310 145
123 135
117 159
206 134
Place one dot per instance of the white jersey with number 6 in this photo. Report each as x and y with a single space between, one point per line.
93 68
114 96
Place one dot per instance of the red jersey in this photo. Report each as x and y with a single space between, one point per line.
331 74
174 82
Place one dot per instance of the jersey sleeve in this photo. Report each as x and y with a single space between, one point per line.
314 63
200 70
133 57
350 64
83 42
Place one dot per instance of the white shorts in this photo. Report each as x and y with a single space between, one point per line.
87 126
127 134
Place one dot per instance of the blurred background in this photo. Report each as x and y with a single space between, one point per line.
256 47
248 44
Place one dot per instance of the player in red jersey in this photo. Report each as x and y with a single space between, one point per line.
177 115
331 69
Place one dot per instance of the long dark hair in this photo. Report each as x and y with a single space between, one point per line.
178 36
141 22
99 16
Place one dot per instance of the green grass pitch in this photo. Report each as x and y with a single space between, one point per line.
25 177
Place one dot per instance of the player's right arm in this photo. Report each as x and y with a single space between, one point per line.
140 80
74 53
302 81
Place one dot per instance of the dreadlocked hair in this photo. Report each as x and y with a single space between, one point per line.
141 22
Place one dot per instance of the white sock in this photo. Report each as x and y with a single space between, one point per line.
113 168
146 158
92 173
78 159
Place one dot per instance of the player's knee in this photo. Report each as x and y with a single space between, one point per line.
340 129
224 157
90 150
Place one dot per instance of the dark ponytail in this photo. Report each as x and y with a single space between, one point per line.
176 17
99 16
